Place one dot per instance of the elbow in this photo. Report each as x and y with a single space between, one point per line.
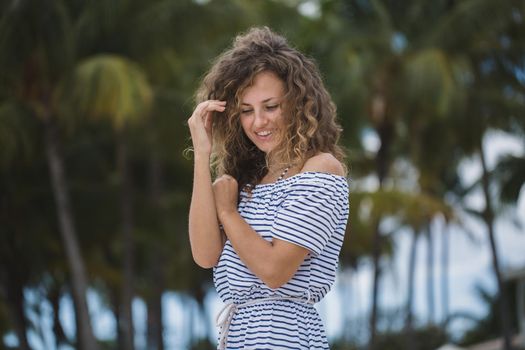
206 262
276 278
204 254
274 284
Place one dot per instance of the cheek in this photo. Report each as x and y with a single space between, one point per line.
245 124
280 120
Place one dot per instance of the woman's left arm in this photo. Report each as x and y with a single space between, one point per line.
274 262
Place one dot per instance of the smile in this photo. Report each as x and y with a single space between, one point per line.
263 133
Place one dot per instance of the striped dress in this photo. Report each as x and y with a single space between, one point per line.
309 209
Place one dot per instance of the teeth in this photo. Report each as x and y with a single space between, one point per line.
264 133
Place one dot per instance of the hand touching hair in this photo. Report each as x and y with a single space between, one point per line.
311 126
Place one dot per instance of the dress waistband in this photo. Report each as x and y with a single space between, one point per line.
225 315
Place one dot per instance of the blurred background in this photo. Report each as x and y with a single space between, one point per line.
95 184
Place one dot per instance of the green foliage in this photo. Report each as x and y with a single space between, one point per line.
407 209
444 71
510 172
16 132
112 87
46 50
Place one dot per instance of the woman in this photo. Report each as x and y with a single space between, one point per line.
273 221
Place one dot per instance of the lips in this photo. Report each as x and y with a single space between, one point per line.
264 135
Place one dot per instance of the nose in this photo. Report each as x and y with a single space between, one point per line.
260 118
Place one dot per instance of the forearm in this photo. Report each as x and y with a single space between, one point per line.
273 265
205 238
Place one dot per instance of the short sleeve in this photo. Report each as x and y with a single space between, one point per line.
311 212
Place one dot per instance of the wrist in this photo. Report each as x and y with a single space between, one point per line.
226 215
201 157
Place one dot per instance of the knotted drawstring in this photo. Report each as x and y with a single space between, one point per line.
225 315
224 323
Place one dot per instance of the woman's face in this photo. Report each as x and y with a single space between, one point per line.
261 111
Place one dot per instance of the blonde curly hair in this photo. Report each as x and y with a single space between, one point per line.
308 110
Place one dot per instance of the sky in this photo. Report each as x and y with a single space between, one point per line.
469 265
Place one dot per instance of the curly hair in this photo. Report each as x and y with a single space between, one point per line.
308 110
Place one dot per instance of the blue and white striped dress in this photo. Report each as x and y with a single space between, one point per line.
309 209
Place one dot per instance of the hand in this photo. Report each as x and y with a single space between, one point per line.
200 124
225 191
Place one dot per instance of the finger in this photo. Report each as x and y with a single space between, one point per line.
208 121
224 177
203 109
213 106
210 103
208 114
229 178
218 180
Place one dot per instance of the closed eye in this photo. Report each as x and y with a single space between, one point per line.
246 111
272 107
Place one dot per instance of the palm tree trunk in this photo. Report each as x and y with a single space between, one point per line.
13 277
430 275
376 255
409 327
15 298
155 326
350 299
60 336
126 321
115 295
154 322
208 331
444 276
385 132
488 217
190 307
85 338
199 294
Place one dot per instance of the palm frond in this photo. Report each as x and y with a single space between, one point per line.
510 173
111 87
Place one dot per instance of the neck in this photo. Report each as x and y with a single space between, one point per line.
276 165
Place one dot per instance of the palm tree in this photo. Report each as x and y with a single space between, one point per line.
13 275
115 88
409 71
510 172
488 217
437 164
33 71
418 215
387 60
490 102
484 46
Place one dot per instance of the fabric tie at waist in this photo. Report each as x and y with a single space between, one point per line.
225 316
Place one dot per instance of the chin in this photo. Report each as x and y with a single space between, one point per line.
266 149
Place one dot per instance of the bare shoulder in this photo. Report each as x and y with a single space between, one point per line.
325 163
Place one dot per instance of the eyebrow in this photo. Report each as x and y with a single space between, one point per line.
263 101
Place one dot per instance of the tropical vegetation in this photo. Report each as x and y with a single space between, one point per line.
95 176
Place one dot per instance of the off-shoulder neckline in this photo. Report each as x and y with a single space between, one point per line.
298 175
